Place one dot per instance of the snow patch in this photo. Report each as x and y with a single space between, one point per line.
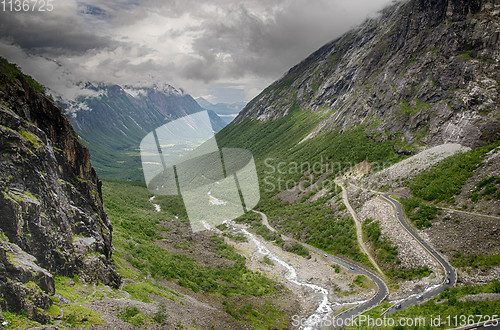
136 93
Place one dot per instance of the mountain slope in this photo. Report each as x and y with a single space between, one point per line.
113 122
225 110
221 108
421 74
52 221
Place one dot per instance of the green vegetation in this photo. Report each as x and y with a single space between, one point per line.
78 315
254 220
72 292
265 316
411 273
137 237
476 260
383 247
445 180
487 189
387 253
418 212
143 291
160 315
414 106
54 310
277 141
19 321
449 304
14 72
360 281
468 55
133 315
268 261
452 304
312 223
30 195
297 249
136 230
336 268
31 138
75 313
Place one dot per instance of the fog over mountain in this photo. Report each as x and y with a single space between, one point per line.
222 50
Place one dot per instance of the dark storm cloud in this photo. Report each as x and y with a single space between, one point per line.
237 41
44 34
192 44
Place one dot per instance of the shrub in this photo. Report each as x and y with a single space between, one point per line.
418 212
445 179
132 315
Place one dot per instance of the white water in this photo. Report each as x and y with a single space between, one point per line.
157 207
215 201
323 310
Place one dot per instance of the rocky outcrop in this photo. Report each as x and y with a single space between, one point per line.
23 284
51 212
423 73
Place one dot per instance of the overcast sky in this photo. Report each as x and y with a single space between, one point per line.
223 50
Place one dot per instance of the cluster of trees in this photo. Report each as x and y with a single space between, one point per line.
486 188
418 212
387 254
445 179
315 223
450 307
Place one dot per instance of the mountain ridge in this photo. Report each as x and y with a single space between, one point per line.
114 120
423 73
220 107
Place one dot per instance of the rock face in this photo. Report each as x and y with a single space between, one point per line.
52 219
424 73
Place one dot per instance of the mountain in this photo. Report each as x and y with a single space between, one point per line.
404 104
56 221
52 220
113 121
421 74
227 111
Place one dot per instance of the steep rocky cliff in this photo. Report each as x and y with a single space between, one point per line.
424 72
52 219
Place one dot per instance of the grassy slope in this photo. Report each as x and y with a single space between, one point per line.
386 254
439 186
137 230
276 141
144 264
445 180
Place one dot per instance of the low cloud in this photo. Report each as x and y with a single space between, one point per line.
194 45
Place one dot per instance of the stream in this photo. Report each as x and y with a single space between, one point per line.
324 309
156 206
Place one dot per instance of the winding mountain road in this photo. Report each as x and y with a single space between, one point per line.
344 318
359 230
450 273
353 267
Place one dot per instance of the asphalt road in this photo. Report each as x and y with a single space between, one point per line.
352 267
450 272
